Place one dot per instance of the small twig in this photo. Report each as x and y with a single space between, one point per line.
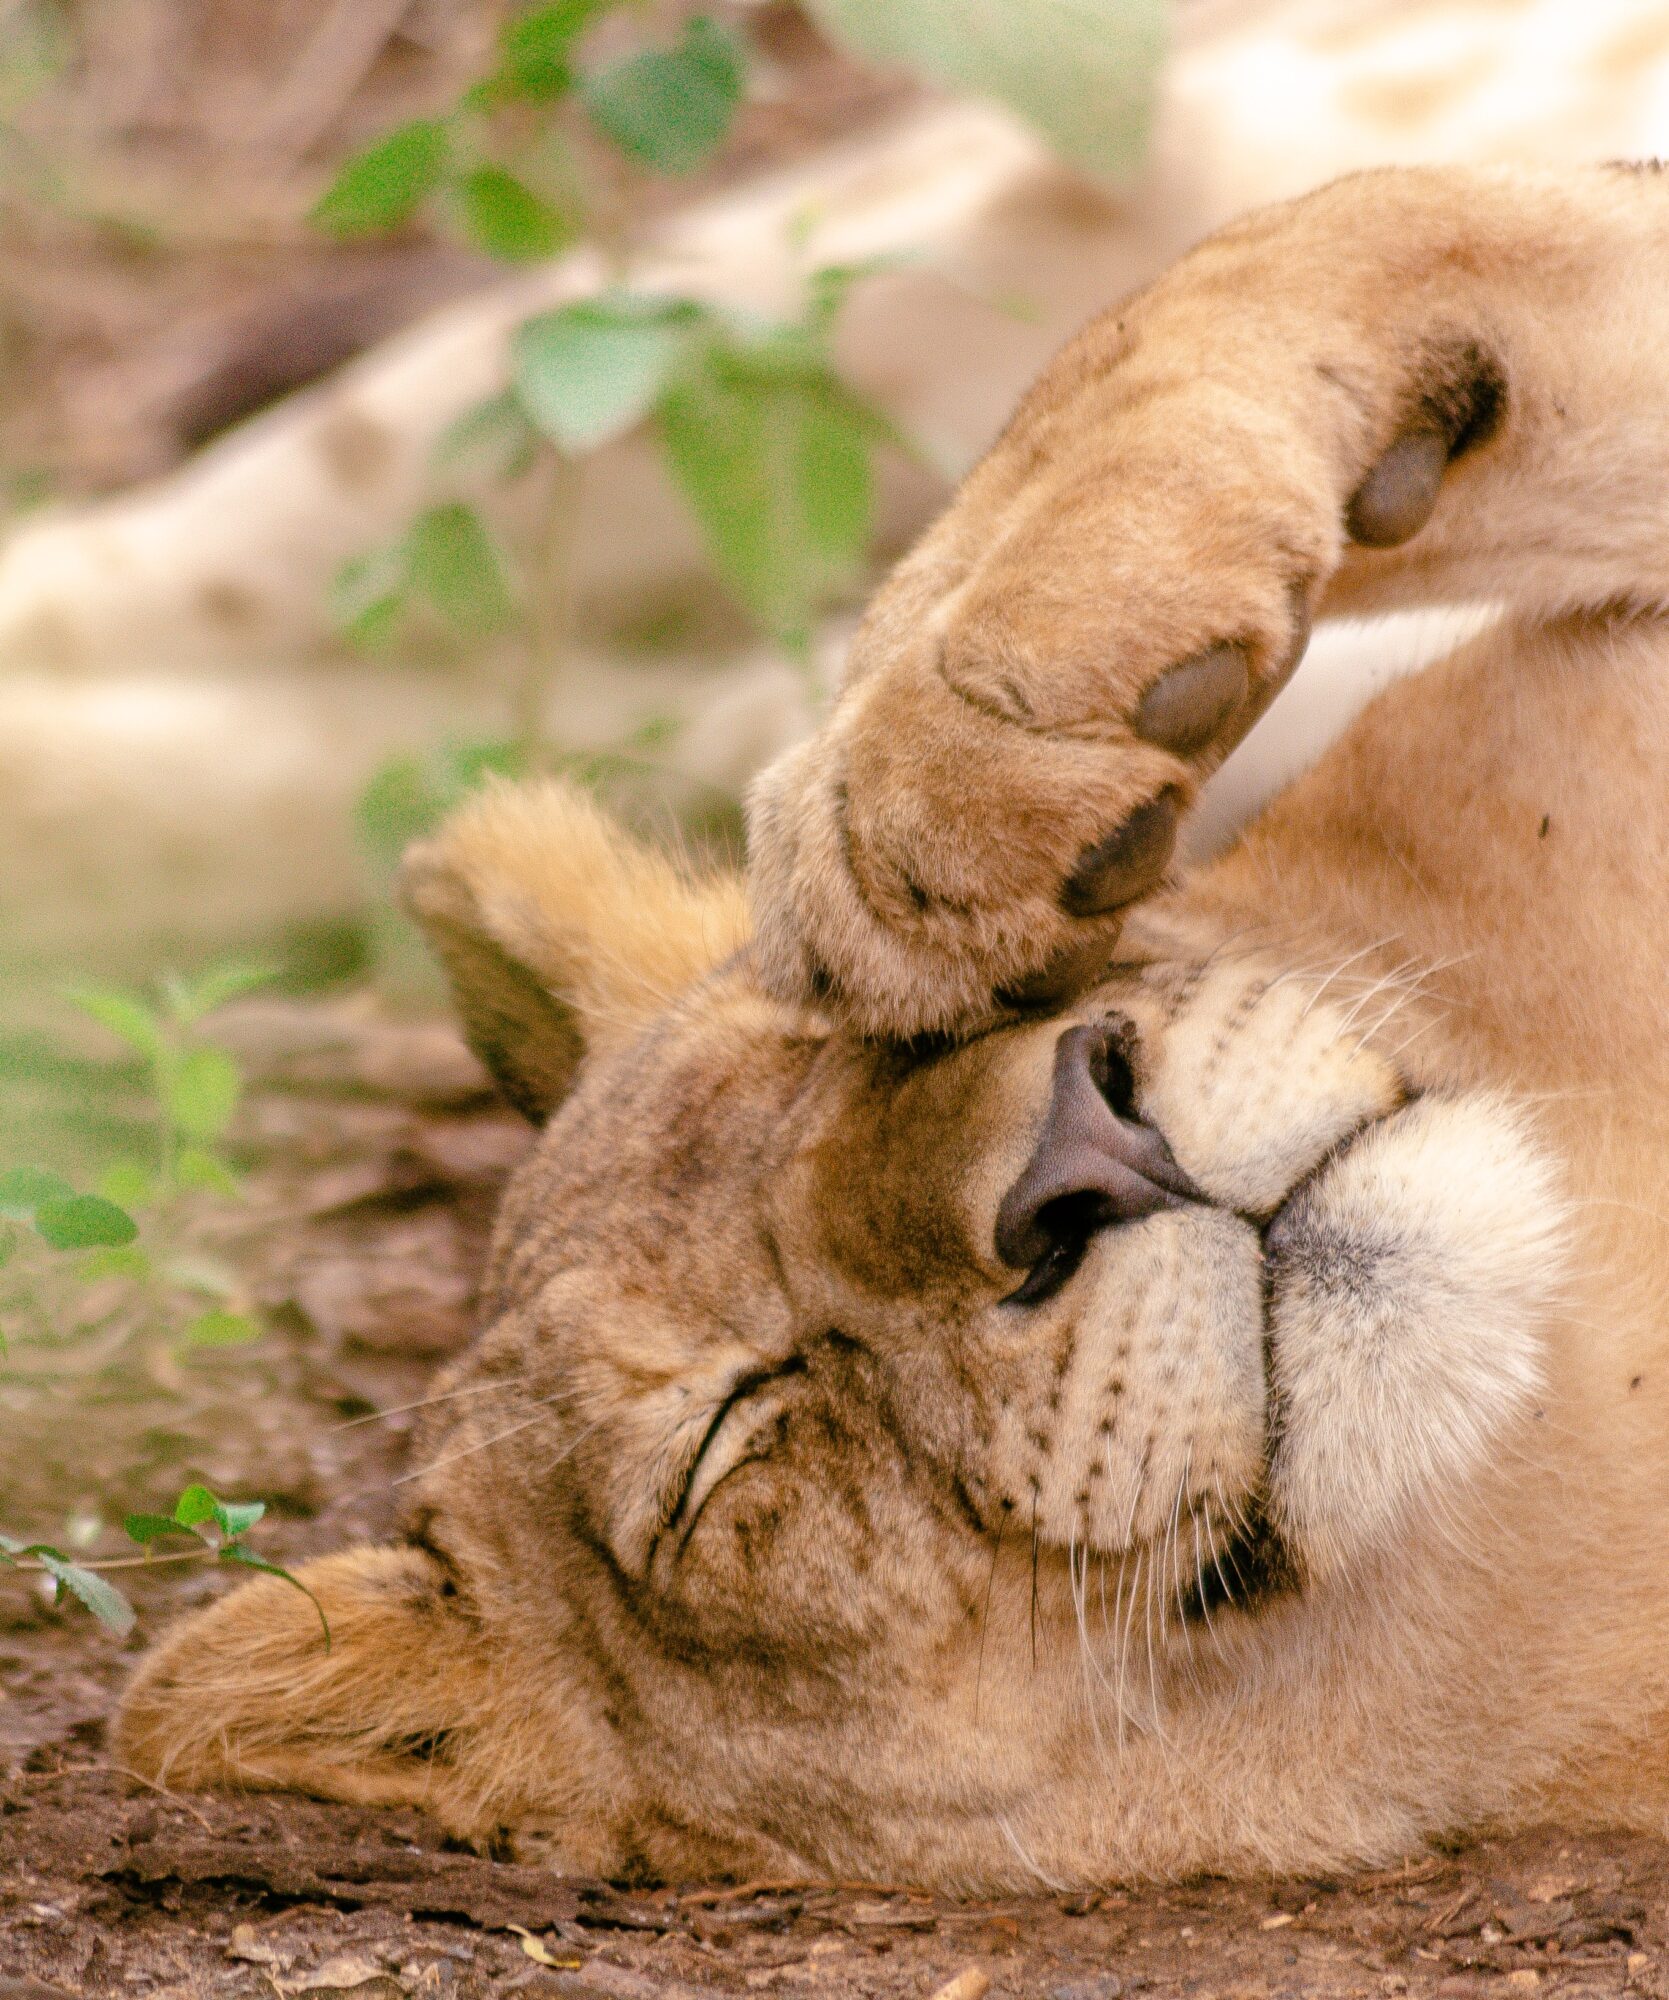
1447 1912
138 1777
739 1892
743 1892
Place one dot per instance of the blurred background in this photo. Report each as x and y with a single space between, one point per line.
398 391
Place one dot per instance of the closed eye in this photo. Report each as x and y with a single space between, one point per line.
724 1445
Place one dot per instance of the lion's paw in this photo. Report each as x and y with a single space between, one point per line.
1110 602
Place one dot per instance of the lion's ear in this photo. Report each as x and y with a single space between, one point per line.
559 931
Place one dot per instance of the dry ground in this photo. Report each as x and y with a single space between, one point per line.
377 1154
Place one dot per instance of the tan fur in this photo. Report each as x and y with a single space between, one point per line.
605 933
1309 1517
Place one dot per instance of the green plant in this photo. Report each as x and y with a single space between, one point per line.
195 1514
502 174
1083 73
410 795
771 450
194 1083
125 1226
98 1281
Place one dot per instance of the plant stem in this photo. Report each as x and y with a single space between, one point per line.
162 1070
30 1567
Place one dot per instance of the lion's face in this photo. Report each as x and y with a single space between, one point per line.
1180 1275
855 1422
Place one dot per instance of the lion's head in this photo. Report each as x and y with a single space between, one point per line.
877 1456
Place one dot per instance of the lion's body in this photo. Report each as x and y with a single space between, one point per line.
1318 1507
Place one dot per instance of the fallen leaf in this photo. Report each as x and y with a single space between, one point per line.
363 1978
540 1956
970 1985
245 1944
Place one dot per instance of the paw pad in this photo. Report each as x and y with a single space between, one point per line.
1396 499
1128 862
1190 705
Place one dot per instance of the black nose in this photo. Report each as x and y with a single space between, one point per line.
1104 1163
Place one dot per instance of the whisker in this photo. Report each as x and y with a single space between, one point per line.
427 1402
1199 1578
985 1610
486 1444
1339 971
468 1450
1034 1577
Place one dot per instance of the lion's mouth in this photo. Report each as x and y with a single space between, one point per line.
1254 1567
1258 1564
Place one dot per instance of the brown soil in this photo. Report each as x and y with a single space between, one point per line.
378 1153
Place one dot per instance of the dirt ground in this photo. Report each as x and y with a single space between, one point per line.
377 1152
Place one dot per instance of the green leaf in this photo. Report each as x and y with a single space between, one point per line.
124 1014
126 1261
23 1189
397 807
148 1528
830 285
493 436
537 46
195 1506
232 1517
221 1329
203 1093
1084 72
198 1168
832 477
368 593
505 218
190 999
107 1605
457 565
773 457
84 1222
588 372
127 1184
669 108
239 1552
380 187
8 1550
655 732
410 796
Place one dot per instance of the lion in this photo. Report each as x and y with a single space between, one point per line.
1016 1362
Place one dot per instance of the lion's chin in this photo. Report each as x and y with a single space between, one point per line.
1407 1282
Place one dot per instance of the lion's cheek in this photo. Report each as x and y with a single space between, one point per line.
1138 1393
1408 1284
